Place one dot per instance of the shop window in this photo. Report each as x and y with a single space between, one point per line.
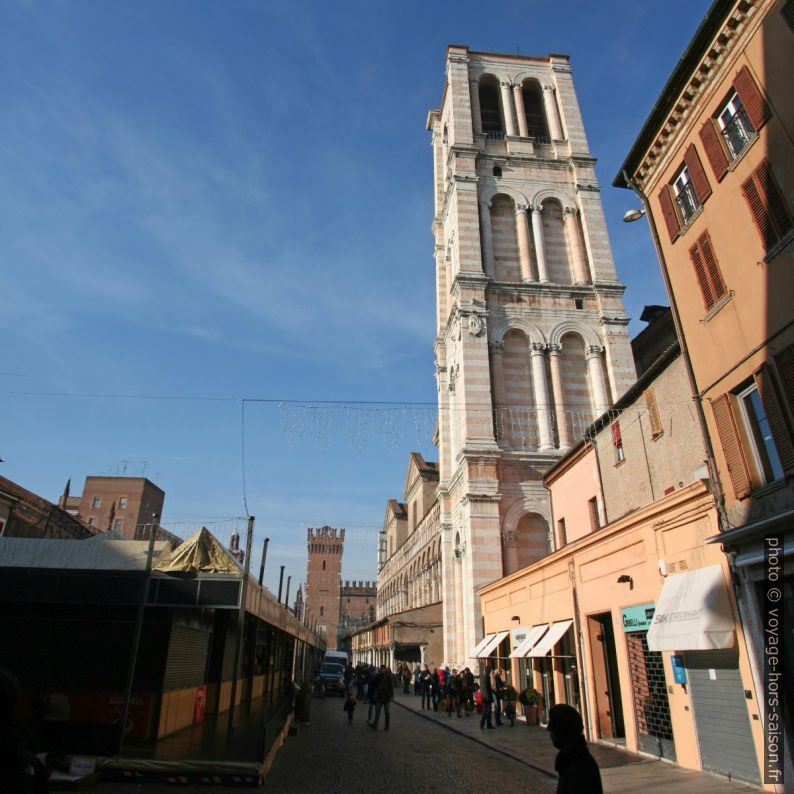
617 443
684 196
736 123
707 271
767 206
754 435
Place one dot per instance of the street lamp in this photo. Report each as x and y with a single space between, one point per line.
633 215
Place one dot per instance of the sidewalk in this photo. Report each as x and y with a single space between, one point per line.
621 771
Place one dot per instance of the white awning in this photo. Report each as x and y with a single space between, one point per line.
532 637
693 613
476 653
550 639
488 649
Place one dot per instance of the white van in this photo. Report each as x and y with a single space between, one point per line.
340 657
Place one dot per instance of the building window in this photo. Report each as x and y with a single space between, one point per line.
92 522
322 611
592 506
653 414
490 111
736 123
684 196
617 443
117 524
497 171
707 271
767 206
562 535
756 440
122 502
735 126
323 564
96 502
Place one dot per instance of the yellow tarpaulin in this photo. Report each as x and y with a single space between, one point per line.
200 553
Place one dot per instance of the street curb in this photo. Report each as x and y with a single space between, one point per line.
506 753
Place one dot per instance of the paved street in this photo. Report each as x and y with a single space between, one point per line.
430 752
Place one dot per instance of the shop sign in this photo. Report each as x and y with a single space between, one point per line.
638 618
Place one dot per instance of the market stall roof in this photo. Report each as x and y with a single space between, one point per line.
488 648
72 554
532 637
693 613
202 552
550 638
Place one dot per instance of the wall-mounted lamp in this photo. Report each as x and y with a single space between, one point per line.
516 617
624 578
633 215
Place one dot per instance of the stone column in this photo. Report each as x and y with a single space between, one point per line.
391 658
550 105
595 369
558 391
518 97
487 238
497 386
571 216
507 108
476 115
540 248
522 234
541 389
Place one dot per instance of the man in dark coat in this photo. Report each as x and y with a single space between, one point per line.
384 692
577 769
487 698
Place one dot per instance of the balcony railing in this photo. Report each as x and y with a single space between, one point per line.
688 202
495 135
738 132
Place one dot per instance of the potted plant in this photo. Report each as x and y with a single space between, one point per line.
529 701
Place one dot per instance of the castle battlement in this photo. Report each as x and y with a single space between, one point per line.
360 588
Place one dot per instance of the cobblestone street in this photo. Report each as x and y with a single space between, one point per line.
414 755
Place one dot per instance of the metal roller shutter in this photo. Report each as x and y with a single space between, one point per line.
187 658
723 726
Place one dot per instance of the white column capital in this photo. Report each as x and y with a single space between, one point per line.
553 350
496 348
474 81
536 208
570 211
521 209
548 87
594 351
506 83
537 349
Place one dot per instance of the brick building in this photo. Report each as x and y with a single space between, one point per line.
121 504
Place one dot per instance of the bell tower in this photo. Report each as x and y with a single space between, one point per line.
324 580
532 340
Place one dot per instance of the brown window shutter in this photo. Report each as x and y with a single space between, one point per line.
653 413
751 97
777 422
731 446
759 212
712 267
698 174
784 361
700 273
714 149
775 203
669 213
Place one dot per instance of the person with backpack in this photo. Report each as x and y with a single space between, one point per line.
383 685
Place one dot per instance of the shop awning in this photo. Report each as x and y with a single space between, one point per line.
488 648
533 635
693 613
477 652
550 639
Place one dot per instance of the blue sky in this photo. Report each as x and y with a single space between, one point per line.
228 200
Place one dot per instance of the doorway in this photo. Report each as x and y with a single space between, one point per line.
609 704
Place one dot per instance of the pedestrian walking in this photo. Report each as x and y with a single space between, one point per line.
577 769
486 689
417 673
426 689
453 694
499 694
406 674
349 707
384 692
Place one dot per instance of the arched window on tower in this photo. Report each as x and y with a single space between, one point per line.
537 127
490 111
323 564
322 611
